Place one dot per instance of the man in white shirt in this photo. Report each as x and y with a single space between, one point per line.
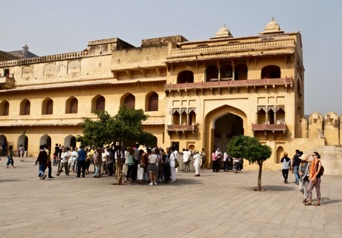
218 154
186 160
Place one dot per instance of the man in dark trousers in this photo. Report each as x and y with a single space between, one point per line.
295 165
110 161
42 160
48 164
81 163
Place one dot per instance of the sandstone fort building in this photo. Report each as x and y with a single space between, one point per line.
197 94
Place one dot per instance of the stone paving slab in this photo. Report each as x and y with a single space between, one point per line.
213 205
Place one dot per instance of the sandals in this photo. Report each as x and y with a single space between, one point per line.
316 204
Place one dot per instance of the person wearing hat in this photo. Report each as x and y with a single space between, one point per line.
286 165
304 175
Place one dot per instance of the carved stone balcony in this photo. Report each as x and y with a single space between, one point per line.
182 129
6 82
269 128
232 84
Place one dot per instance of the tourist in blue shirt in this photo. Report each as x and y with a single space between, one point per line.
81 163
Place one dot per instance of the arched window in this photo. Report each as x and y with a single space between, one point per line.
261 116
100 104
4 108
226 71
211 73
71 105
280 116
175 118
192 118
152 102
25 107
129 101
47 107
241 72
271 116
184 118
271 71
185 77
74 106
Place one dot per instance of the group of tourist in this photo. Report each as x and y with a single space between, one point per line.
134 164
153 165
307 171
192 159
226 161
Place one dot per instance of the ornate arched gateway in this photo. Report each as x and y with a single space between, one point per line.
221 124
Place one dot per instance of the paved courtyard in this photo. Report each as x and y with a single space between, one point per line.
213 205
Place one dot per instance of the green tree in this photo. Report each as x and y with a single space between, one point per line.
125 126
97 132
250 149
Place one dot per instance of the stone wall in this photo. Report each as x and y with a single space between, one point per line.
326 127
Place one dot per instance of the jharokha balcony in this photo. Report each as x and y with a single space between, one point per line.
272 128
182 129
232 84
269 127
6 82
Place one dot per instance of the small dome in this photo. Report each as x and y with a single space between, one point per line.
223 32
272 27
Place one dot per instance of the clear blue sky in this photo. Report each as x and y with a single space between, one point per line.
53 27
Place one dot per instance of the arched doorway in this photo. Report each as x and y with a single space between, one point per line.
225 128
221 124
69 141
23 140
46 140
3 146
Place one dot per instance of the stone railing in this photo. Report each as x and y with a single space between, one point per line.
232 84
234 47
48 58
181 127
269 127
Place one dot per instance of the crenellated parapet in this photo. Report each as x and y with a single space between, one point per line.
326 127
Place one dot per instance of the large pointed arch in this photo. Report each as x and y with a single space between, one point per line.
213 116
